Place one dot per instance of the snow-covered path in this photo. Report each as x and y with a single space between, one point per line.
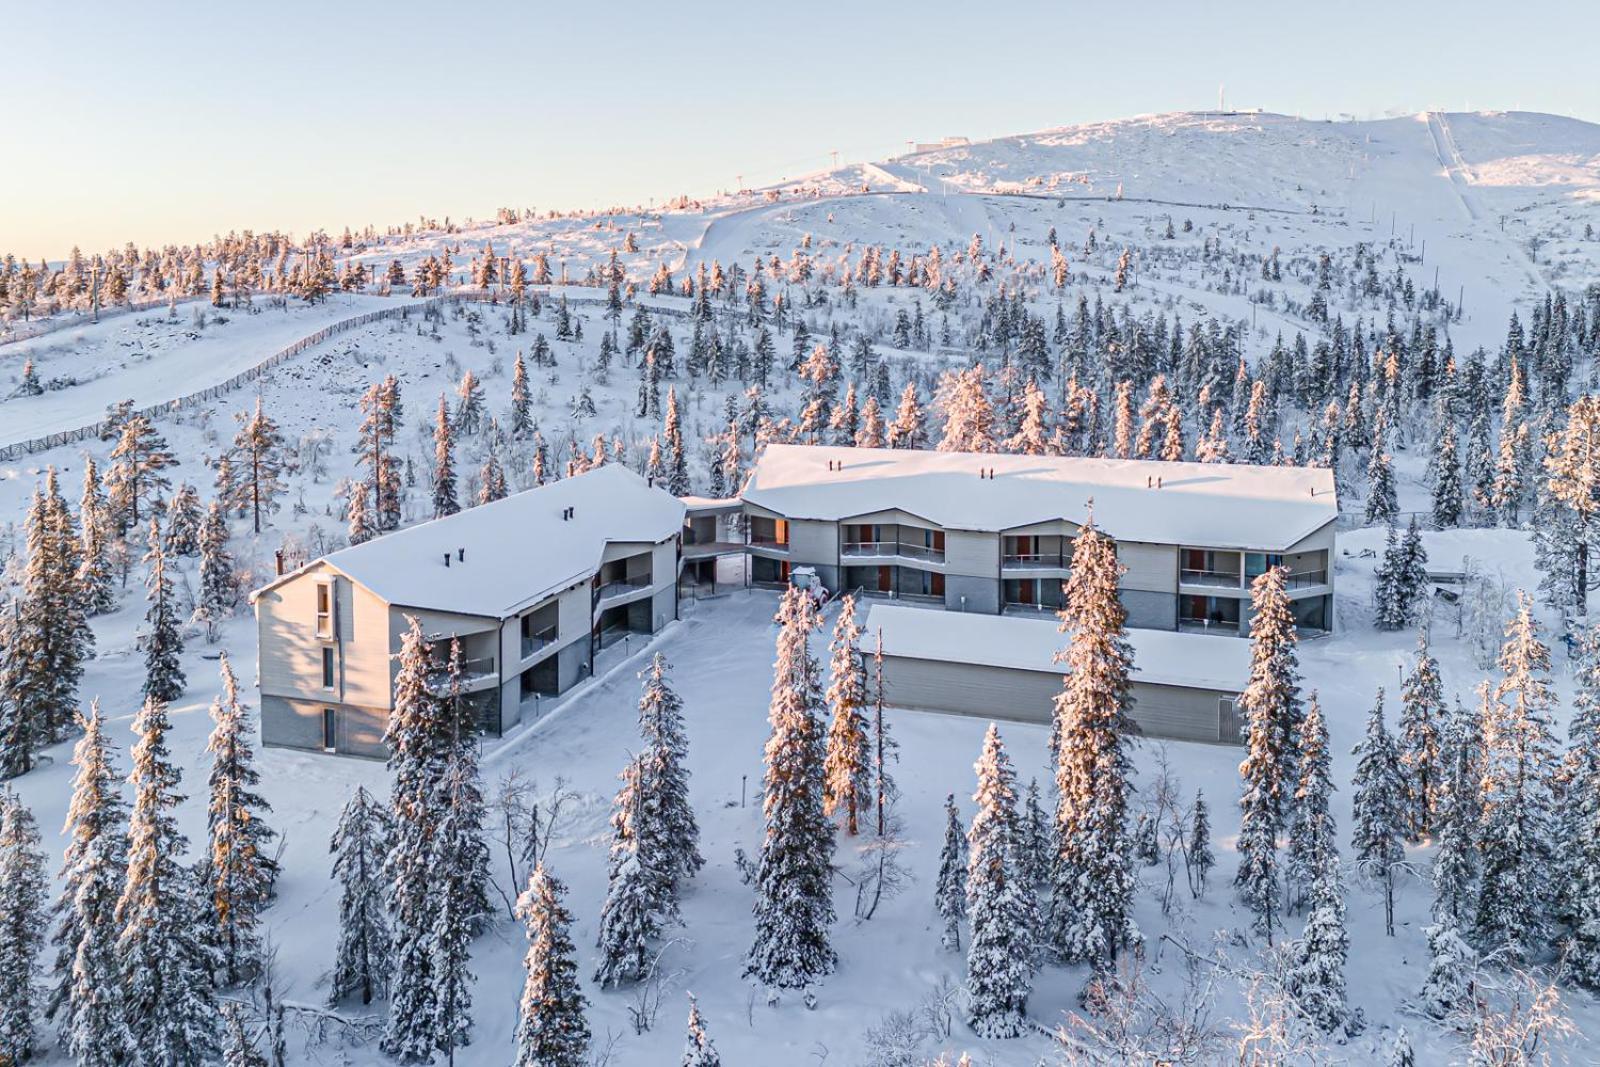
151 359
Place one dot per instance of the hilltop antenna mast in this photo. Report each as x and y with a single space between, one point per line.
834 152
1222 88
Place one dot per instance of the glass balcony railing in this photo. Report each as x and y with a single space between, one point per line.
891 548
539 640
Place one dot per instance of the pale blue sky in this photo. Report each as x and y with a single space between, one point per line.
159 121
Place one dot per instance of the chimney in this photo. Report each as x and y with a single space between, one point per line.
1147 482
447 559
278 554
1158 481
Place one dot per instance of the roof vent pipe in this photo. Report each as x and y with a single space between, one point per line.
447 559
461 555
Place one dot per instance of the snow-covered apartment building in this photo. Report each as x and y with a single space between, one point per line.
993 533
532 585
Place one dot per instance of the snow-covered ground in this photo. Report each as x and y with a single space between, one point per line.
1453 177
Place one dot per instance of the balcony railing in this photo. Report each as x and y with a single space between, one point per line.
474 672
1303 579
764 541
621 587
539 640
1036 560
1219 579
891 548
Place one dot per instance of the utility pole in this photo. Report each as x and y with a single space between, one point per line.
835 154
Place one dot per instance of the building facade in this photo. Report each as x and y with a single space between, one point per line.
532 586
994 533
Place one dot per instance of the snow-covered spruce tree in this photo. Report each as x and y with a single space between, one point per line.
698 1049
183 522
1456 819
1271 707
1038 848
168 996
1092 877
1422 715
359 845
470 409
1316 976
1448 986
1000 954
1389 601
163 675
219 584
969 417
444 464
909 429
677 456
1573 466
1383 506
95 574
238 1047
380 423
416 752
1447 492
521 400
491 482
359 526
86 998
664 763
950 887
847 779
457 854
1517 832
1580 820
1197 850
1378 809
240 869
24 888
794 893
551 1028
630 918
1412 572
1311 825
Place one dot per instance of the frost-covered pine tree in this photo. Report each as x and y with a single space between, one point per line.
359 526
1517 791
521 401
257 465
551 1028
1270 704
1000 954
909 429
1422 714
1316 975
1311 826
950 887
457 855
847 779
1038 846
470 415
168 995
698 1049
240 869
491 482
238 1047
1388 595
219 584
1448 985
1456 818
163 643
1092 875
135 477
1379 809
445 501
24 888
359 845
1574 482
794 893
86 998
1580 821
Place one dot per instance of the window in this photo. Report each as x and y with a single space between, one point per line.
324 609
327 668
330 730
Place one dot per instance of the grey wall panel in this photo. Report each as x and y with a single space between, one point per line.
1151 611
981 594
977 554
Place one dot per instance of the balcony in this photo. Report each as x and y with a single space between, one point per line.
475 674
1214 579
1036 561
620 589
768 543
901 549
1305 579
539 640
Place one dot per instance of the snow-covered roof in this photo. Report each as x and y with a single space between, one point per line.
1160 657
1214 505
518 550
